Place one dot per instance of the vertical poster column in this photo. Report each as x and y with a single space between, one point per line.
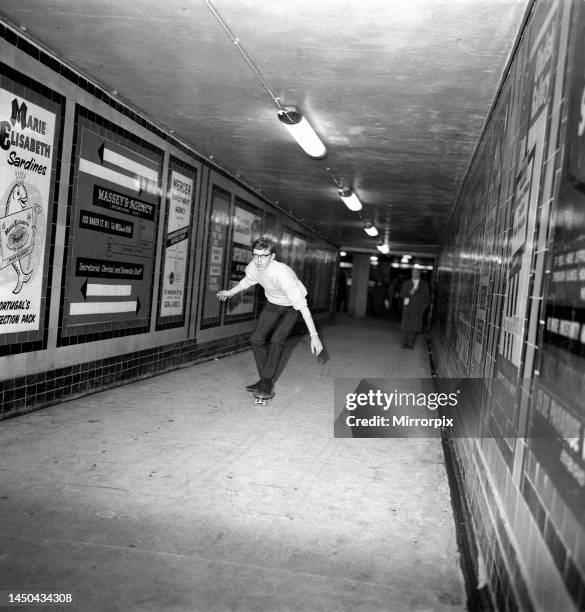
513 317
112 227
516 336
247 227
30 147
214 268
558 426
179 213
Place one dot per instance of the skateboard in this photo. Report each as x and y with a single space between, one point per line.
262 399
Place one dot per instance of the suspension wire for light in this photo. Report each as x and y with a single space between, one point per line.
239 47
291 117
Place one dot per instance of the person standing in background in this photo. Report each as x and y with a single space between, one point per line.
415 299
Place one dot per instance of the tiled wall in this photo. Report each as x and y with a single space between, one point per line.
61 336
511 303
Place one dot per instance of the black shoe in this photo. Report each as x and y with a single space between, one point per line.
254 387
265 388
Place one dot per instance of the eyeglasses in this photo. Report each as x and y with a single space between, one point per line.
261 257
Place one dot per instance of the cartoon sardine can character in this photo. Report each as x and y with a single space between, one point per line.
18 197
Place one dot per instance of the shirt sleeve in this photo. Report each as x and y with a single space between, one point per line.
294 290
250 279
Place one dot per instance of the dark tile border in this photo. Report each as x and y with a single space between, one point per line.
33 392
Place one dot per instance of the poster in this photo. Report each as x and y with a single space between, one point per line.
557 434
247 228
216 256
28 160
516 300
180 198
113 226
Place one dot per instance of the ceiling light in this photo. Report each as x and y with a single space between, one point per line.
383 248
300 129
291 117
370 230
349 198
347 194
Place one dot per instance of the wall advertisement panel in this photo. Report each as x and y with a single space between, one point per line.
30 139
112 228
247 226
182 181
558 419
214 268
514 315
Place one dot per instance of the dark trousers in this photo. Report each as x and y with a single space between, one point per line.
410 339
281 319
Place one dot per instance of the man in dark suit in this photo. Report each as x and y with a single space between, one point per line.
415 299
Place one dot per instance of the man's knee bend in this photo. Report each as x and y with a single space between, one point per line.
278 341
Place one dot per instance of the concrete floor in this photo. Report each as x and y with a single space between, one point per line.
167 495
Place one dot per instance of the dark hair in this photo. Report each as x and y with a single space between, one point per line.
264 244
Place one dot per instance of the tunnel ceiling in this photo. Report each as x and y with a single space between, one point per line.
398 90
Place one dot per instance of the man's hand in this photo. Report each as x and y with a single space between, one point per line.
223 295
316 346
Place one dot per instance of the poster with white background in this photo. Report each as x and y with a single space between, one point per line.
27 156
177 244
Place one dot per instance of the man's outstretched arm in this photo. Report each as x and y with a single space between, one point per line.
226 294
316 346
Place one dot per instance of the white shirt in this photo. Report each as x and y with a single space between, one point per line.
280 283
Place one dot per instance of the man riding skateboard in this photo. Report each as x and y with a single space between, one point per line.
286 297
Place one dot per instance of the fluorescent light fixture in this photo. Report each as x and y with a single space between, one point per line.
349 198
374 258
383 248
301 130
370 230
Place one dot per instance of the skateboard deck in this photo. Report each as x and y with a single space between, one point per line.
262 399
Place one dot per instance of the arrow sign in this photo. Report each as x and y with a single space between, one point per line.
89 167
104 290
111 157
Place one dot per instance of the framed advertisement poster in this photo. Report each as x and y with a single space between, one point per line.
30 146
247 227
214 267
181 188
114 208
